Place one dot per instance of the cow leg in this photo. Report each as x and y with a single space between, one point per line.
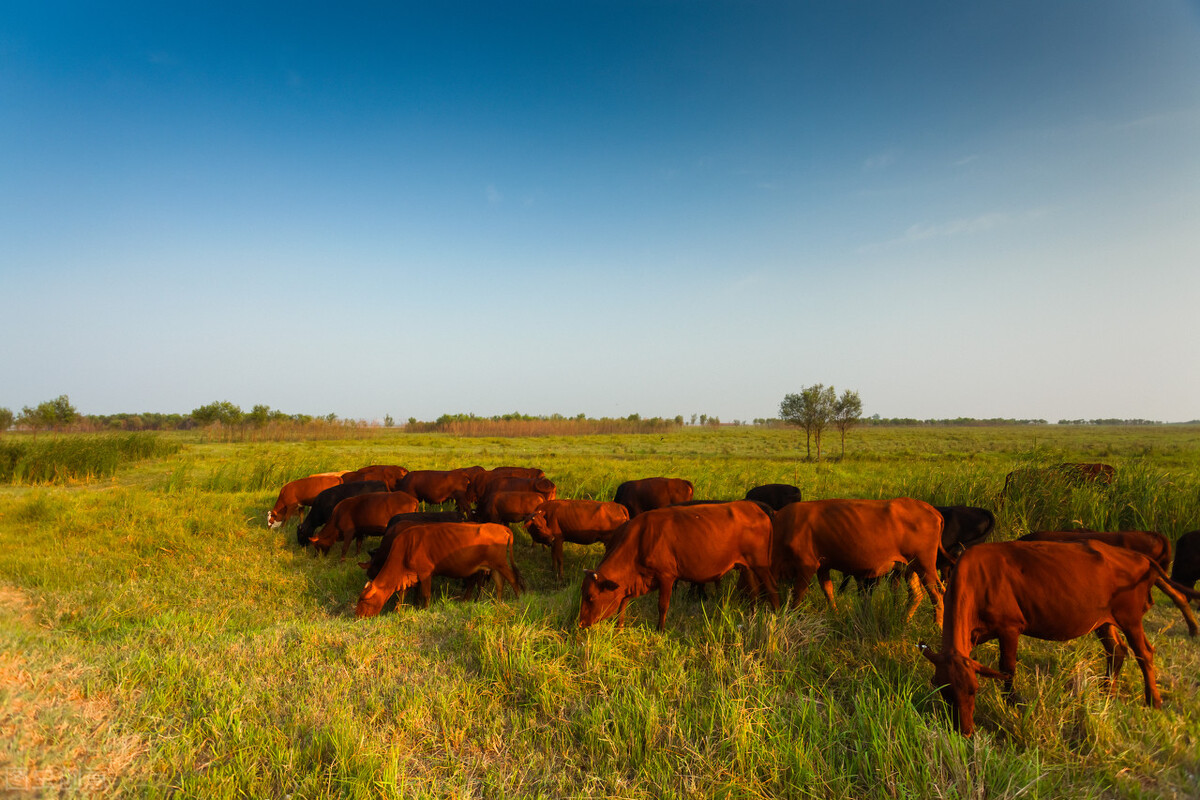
498 582
665 587
1008 664
768 585
826 586
1145 658
934 586
556 556
804 576
426 589
621 612
1114 652
916 595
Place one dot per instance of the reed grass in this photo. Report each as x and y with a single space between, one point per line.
76 457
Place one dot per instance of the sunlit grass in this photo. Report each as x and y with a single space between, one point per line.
161 641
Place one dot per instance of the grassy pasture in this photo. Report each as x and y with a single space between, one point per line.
156 639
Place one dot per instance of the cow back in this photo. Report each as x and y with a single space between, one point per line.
694 543
859 537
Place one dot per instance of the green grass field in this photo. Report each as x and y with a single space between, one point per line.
156 639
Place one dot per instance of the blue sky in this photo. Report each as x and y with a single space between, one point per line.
602 207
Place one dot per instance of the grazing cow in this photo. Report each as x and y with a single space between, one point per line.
452 549
1070 472
300 492
362 516
542 486
326 501
1055 591
1186 570
863 539
776 495
651 493
435 486
480 481
575 521
389 474
661 546
396 527
962 526
506 507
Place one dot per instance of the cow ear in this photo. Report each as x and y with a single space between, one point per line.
589 572
364 564
928 652
987 672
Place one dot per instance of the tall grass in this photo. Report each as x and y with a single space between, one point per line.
77 457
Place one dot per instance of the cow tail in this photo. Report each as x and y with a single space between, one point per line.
1179 596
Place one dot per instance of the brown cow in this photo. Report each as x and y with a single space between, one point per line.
387 473
396 527
542 486
362 516
480 481
647 494
1055 591
453 549
861 538
1151 544
506 507
300 492
436 486
575 521
696 543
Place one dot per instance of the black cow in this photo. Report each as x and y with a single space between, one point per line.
1186 569
964 526
776 495
322 507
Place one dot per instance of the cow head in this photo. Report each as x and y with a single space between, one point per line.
957 678
601 598
538 530
372 597
370 601
320 545
273 521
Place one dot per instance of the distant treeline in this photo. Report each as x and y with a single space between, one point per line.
518 424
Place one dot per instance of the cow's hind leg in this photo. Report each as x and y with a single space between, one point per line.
916 594
1145 658
1114 653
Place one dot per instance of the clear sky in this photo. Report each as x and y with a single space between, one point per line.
975 209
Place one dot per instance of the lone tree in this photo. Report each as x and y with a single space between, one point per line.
846 414
812 410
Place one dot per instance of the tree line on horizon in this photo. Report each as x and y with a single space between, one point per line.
821 411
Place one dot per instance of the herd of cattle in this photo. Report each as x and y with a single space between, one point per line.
1056 585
